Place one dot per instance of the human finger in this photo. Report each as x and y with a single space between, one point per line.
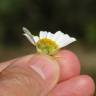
77 86
69 64
33 75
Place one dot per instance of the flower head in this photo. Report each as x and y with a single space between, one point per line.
48 42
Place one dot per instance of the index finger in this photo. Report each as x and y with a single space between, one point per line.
69 64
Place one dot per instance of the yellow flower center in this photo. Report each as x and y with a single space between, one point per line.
47 46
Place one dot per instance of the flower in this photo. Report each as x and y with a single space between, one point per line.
47 42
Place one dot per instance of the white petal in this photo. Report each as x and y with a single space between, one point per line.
26 31
36 38
58 35
50 36
66 42
43 34
28 35
29 38
63 38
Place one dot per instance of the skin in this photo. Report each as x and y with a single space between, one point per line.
42 75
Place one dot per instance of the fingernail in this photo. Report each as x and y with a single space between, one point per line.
42 65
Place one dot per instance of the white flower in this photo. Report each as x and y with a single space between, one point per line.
48 42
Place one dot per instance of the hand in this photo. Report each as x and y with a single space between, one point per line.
41 75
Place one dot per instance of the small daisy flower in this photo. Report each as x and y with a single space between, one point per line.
47 42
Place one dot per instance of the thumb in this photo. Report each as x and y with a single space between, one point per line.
33 75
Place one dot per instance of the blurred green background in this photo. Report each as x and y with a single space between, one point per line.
75 17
